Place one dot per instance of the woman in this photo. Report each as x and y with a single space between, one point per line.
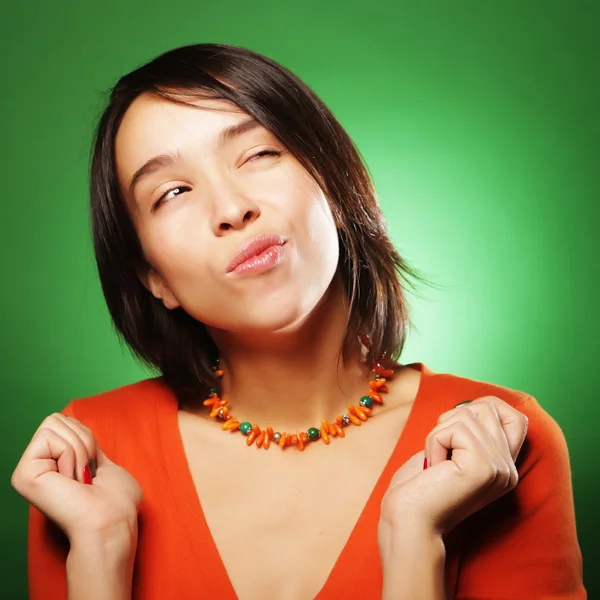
242 253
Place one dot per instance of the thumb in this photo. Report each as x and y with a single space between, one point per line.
101 458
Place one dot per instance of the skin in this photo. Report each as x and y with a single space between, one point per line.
266 324
284 327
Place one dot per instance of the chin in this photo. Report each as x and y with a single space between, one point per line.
274 314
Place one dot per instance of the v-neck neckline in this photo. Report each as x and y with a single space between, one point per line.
210 566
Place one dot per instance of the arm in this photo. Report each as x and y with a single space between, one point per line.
413 566
101 569
91 567
47 551
524 545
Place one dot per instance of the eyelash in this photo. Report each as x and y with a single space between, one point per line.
183 187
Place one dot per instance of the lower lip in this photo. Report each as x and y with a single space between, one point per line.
261 263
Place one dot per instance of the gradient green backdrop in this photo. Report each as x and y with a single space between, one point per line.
479 121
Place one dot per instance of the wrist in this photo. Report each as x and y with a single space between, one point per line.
100 571
413 562
406 543
114 543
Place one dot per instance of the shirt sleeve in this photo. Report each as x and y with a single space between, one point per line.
524 545
47 549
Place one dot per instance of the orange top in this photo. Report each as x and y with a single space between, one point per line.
523 545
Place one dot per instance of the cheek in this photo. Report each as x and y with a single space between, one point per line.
321 233
177 253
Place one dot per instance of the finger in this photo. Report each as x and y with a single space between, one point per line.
468 453
47 452
513 422
472 475
60 424
486 414
87 436
483 422
437 454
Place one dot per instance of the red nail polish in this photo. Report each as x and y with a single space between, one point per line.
87 475
425 463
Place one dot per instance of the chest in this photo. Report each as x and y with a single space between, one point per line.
280 519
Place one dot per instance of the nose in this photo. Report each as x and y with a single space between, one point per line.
234 210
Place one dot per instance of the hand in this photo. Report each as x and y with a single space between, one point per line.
50 475
471 453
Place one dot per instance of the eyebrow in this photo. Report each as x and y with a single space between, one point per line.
161 161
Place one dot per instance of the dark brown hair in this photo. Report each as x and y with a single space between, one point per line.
372 270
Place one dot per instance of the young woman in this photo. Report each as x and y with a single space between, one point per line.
282 451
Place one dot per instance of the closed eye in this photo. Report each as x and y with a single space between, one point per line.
266 153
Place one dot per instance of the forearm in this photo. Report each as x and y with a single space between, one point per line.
413 566
101 569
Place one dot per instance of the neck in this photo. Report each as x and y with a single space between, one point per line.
293 380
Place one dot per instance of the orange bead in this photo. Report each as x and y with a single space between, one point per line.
256 428
215 411
379 368
360 413
383 388
225 412
294 439
332 431
304 436
223 402
288 442
367 410
338 420
375 396
232 425
261 438
219 372
270 431
339 430
210 401
251 437
324 436
352 409
300 442
267 440
376 384
355 420
325 425
282 440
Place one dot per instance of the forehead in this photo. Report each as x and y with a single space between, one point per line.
154 125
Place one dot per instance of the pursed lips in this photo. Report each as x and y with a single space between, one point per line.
254 247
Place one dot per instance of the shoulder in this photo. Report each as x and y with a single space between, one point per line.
126 412
442 391
447 389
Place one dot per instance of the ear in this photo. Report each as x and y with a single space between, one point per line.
157 286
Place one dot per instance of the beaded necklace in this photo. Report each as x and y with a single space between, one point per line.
263 438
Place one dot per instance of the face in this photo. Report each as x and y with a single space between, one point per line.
224 180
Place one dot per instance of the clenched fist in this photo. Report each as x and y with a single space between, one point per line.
54 475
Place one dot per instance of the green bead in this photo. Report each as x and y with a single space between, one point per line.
214 390
246 427
366 401
313 434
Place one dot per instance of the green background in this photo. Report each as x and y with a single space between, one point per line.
479 122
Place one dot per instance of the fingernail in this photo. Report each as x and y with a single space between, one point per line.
87 475
462 403
425 463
